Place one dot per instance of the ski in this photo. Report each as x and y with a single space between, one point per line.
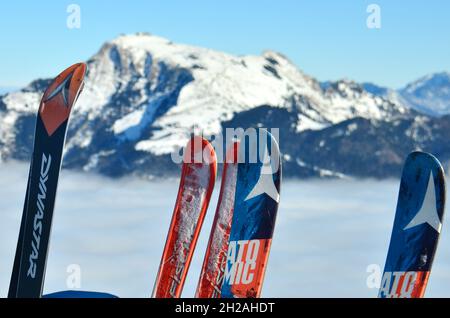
212 273
196 186
416 230
256 202
79 294
28 273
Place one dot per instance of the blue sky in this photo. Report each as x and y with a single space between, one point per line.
326 39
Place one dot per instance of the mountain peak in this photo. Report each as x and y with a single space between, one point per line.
145 94
140 40
276 56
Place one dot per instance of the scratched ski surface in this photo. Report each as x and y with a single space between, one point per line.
212 274
196 186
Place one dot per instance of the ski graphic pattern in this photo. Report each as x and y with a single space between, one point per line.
255 210
78 294
416 230
28 274
213 269
196 186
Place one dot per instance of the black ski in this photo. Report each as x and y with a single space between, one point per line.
27 279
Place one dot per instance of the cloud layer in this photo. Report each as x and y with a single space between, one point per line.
327 233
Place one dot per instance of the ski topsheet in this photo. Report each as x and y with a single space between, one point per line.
79 294
213 269
28 274
256 202
196 186
417 226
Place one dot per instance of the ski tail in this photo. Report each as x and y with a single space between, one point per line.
196 186
417 227
28 273
212 274
257 197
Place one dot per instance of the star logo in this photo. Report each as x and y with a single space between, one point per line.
265 182
63 88
428 212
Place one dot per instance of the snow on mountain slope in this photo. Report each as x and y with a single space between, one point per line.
222 85
215 85
144 94
389 94
429 94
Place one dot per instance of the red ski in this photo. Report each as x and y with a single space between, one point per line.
196 186
213 269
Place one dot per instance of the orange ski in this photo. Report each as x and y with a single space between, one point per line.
196 186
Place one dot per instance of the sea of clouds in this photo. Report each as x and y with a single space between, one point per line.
114 231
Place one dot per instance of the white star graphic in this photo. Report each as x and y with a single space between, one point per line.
428 212
265 182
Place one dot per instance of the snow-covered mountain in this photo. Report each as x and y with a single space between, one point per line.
386 93
144 94
429 94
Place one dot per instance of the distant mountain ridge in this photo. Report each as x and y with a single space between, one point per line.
144 94
429 94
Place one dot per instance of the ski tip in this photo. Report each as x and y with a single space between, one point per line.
419 162
72 78
424 157
274 141
422 188
60 96
420 167
261 147
79 294
200 151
